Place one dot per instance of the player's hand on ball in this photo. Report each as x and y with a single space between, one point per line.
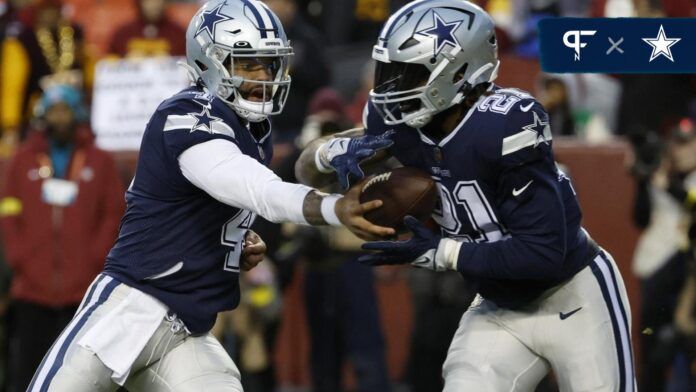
351 214
254 251
344 155
419 250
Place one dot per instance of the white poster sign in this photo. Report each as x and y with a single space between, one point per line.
126 93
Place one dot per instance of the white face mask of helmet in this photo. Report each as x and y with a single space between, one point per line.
430 55
239 52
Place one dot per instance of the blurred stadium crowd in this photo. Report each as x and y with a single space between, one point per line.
54 245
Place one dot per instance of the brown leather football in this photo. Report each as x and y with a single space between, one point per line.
403 191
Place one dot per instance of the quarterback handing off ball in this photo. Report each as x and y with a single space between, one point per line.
404 191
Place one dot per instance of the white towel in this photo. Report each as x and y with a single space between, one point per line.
121 334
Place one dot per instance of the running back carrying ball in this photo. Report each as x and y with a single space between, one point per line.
404 191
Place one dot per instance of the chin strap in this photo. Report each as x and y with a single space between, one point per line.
252 111
420 121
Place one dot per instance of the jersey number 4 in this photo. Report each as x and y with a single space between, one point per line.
464 213
233 233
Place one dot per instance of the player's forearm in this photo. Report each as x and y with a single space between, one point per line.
314 167
306 169
221 170
510 259
279 201
320 209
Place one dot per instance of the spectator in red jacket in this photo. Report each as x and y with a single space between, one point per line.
152 33
60 211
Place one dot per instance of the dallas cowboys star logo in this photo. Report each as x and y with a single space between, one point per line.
540 128
661 45
210 19
442 32
204 121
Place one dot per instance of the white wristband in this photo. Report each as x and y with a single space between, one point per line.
448 253
328 209
318 161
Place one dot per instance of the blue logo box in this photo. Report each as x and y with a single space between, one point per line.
618 45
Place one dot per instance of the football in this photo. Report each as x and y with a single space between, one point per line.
403 191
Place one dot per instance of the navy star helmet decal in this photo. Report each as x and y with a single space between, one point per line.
442 32
204 121
210 19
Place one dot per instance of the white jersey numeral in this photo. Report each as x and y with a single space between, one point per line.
466 214
233 233
498 103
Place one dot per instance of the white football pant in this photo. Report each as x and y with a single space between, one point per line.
580 330
172 359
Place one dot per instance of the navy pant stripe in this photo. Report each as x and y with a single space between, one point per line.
617 339
61 354
624 314
86 300
90 293
621 304
54 358
610 290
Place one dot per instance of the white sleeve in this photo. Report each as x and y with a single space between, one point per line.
221 169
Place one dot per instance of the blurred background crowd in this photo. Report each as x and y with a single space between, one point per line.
311 318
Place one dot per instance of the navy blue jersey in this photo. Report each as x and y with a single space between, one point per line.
501 194
176 242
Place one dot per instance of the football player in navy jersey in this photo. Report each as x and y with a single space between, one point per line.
201 180
509 220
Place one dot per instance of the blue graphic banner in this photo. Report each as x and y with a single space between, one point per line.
618 45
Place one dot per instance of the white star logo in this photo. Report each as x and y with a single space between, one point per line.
661 45
204 121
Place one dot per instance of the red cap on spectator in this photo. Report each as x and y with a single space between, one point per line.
684 131
327 99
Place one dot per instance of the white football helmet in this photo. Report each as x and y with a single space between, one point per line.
430 55
225 31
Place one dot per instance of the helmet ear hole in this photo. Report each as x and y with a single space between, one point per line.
460 74
201 67
409 43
